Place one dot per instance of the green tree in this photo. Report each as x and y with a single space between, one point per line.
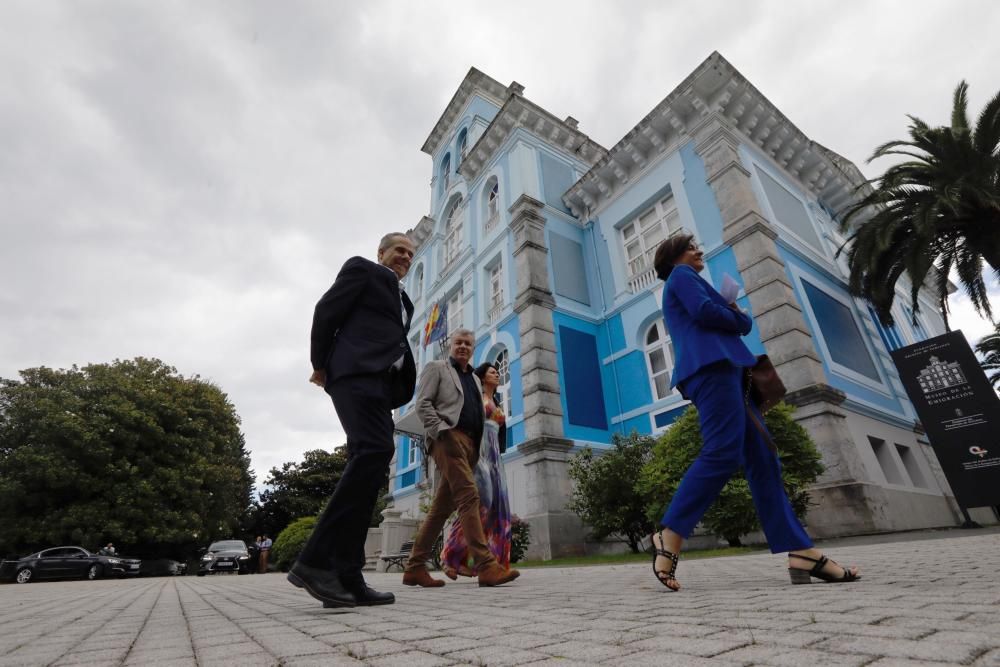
939 208
733 514
129 452
604 494
290 542
989 347
301 489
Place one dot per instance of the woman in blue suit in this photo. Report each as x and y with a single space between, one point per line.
710 365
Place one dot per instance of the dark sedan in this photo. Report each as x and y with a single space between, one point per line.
66 563
225 556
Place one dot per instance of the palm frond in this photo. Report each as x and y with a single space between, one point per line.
986 138
960 105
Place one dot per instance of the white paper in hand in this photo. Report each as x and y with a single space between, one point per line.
730 288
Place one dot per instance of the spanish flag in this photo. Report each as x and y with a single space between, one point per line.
437 323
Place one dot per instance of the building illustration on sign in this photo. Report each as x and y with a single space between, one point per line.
940 375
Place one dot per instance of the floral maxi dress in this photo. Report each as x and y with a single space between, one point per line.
494 507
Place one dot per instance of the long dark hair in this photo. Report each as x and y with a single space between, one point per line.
481 373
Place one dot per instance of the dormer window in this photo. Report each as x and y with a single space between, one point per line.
445 172
463 146
492 204
418 283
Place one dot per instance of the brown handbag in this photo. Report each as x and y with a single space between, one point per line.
763 386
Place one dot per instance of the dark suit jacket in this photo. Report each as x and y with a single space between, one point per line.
703 328
358 329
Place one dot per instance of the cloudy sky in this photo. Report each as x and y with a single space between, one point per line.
183 180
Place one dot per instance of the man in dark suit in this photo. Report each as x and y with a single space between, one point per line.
361 357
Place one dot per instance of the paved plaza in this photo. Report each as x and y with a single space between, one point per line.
926 599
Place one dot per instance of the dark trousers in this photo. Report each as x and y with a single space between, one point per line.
338 541
731 440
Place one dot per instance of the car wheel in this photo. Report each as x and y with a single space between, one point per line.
94 572
24 575
201 574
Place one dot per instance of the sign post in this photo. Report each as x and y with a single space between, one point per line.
960 413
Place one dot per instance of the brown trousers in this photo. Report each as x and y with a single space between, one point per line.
454 453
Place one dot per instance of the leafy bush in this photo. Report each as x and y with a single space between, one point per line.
604 493
520 538
732 515
291 541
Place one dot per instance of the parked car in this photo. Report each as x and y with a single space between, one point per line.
225 556
162 567
67 563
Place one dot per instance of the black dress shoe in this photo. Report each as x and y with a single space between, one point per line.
367 596
323 585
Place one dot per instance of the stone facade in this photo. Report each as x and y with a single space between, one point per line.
555 280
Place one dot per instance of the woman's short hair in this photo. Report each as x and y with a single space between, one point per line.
483 367
669 252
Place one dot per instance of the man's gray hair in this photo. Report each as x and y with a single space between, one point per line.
467 333
390 238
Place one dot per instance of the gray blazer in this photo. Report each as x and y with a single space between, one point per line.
440 398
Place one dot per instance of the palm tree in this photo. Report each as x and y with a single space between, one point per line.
937 210
989 347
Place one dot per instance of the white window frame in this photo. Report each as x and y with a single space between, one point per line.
418 283
502 363
663 216
662 344
453 238
412 456
445 173
882 386
788 234
493 200
496 285
455 320
463 146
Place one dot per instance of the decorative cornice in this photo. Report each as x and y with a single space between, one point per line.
517 112
422 231
475 81
717 88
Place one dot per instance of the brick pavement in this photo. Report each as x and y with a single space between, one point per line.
922 602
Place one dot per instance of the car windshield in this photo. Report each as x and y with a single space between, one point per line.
228 545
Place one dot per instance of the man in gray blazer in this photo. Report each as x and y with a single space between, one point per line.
450 405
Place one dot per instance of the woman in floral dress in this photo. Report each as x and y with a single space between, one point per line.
494 507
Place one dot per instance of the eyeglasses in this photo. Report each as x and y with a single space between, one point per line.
694 247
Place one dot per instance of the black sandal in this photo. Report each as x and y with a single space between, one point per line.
799 575
663 575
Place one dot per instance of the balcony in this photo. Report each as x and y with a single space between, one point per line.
642 281
492 223
494 313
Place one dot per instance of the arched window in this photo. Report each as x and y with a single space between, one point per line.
503 389
463 146
659 359
417 285
492 191
445 172
453 233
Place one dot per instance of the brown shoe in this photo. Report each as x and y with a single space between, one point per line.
494 575
420 577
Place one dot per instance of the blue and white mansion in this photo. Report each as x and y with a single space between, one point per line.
541 241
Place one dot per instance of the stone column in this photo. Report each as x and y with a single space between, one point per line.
554 530
846 503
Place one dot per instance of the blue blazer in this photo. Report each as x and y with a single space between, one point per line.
702 326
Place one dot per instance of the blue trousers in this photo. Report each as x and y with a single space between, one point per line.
730 441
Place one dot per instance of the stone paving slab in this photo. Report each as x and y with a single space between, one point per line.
921 602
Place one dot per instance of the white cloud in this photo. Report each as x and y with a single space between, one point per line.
184 180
